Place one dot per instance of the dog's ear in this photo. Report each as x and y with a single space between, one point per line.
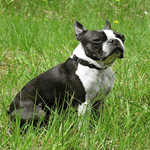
107 26
79 30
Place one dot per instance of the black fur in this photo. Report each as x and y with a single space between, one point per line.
49 89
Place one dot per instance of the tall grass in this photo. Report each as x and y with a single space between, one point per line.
35 36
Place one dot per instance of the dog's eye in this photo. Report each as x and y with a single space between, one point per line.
96 40
122 38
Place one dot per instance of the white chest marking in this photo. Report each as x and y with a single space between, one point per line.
95 81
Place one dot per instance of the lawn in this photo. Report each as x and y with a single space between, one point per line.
35 36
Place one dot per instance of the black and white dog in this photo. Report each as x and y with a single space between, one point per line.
84 80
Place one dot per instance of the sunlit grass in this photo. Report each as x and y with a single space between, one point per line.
36 36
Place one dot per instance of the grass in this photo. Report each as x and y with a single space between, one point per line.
38 35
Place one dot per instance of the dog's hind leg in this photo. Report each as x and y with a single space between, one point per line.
30 113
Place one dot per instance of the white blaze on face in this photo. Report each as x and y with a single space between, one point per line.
109 34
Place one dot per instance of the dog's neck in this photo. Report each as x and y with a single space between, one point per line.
80 53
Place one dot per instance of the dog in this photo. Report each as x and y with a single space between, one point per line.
83 81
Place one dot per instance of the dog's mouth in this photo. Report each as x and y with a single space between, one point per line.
113 55
113 51
119 52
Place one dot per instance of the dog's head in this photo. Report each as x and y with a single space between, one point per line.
101 45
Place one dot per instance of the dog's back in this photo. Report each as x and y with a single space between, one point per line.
48 90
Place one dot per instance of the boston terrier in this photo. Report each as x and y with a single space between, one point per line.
83 81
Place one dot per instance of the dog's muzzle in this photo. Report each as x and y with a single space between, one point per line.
113 46
117 46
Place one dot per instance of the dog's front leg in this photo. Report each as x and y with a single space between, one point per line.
82 109
98 109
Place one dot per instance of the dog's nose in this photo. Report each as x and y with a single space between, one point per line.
114 41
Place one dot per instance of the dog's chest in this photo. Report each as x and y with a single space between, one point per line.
96 82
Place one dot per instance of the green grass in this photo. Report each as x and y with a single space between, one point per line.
34 36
